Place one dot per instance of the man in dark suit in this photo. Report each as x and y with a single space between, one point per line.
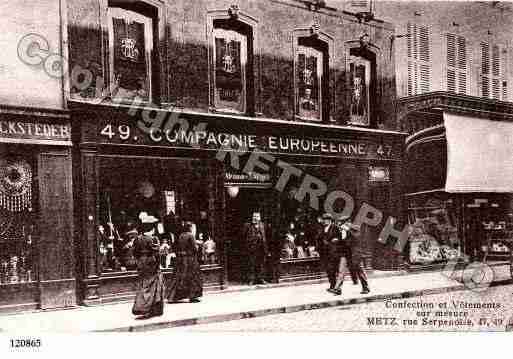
330 250
255 248
350 261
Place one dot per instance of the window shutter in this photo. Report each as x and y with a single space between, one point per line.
485 70
456 63
419 67
462 65
451 63
493 74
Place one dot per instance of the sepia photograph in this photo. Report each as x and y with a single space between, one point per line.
183 167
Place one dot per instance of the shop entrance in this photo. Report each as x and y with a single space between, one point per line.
241 203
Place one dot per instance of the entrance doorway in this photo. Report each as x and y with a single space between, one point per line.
239 211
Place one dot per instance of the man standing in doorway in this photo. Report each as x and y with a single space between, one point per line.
255 243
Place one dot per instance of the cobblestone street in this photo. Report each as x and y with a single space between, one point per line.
386 316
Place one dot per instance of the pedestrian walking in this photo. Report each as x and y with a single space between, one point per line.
149 300
350 261
329 244
187 282
255 249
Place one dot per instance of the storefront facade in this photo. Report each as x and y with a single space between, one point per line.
216 171
459 200
306 86
37 266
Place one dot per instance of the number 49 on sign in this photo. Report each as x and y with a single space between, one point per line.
110 131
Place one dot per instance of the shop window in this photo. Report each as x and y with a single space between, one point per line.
300 223
17 219
233 65
173 191
433 236
311 82
131 38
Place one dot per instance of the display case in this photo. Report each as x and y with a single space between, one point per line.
499 239
433 236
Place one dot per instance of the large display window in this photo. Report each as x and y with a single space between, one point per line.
300 222
18 198
433 236
175 191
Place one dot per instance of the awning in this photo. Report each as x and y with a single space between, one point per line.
479 155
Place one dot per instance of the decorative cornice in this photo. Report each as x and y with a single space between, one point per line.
446 101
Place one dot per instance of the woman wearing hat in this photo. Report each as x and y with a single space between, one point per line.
187 283
149 300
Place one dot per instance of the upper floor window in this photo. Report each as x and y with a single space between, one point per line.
493 72
360 82
130 48
231 61
231 70
312 66
419 66
456 65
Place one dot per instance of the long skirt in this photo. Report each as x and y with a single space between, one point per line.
149 299
187 282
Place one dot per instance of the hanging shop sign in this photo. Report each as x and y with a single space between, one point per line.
250 178
131 134
35 132
379 174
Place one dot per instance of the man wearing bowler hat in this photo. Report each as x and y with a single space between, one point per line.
330 249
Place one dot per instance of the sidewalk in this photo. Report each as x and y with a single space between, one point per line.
221 306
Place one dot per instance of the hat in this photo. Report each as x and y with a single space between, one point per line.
327 216
145 218
131 231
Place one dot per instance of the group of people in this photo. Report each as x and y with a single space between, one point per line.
152 291
117 241
337 251
336 244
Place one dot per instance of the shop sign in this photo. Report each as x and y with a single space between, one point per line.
131 134
35 132
238 178
379 174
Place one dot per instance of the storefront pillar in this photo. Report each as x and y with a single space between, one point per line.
89 245
362 196
56 247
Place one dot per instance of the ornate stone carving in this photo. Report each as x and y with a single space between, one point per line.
315 28
233 11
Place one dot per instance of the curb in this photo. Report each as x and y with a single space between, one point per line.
280 310
292 308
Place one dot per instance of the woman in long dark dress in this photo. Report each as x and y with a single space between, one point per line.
149 300
187 282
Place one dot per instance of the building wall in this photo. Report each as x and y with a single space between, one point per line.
476 21
184 53
24 85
